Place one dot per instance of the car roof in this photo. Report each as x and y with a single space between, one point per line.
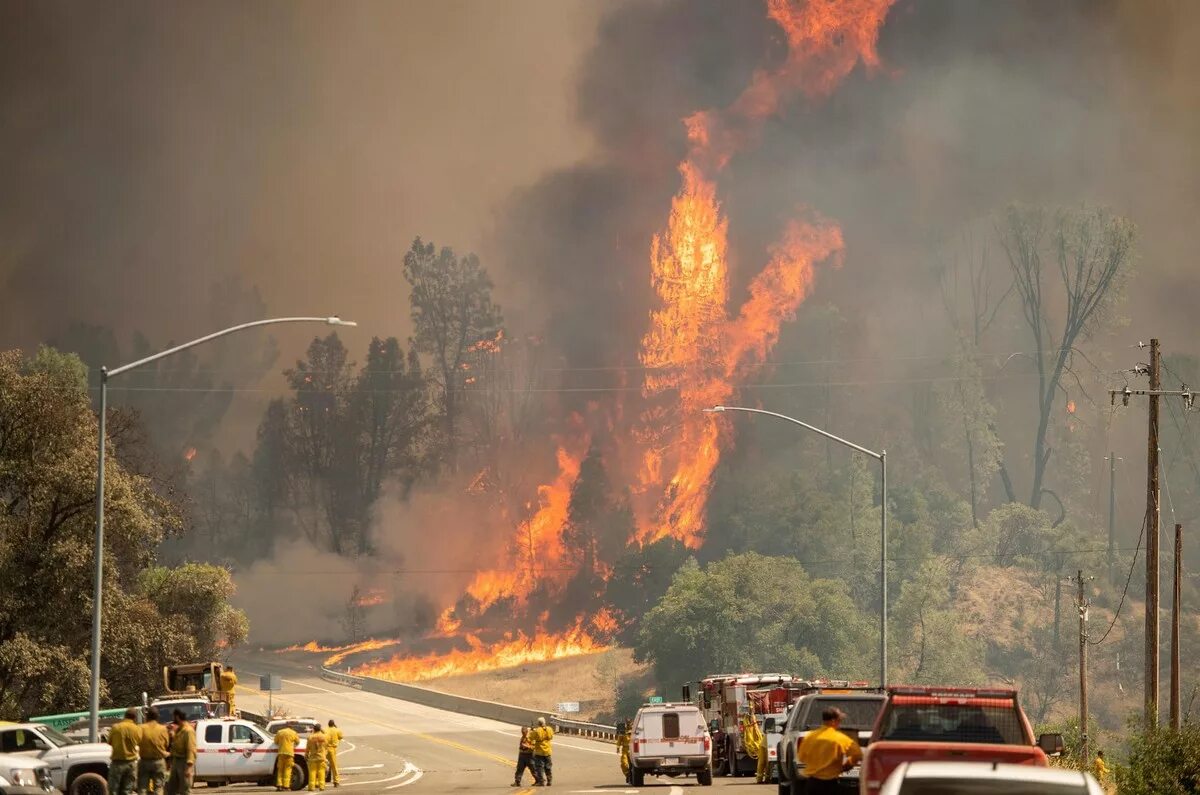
668 707
993 770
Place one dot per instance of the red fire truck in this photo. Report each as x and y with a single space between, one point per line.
726 698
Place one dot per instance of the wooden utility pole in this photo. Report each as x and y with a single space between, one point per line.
1153 508
1175 627
1082 604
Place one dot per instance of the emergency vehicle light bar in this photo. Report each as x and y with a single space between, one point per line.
954 692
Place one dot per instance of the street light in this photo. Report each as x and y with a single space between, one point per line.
881 457
105 374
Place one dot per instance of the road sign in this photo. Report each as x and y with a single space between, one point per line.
270 682
567 706
656 699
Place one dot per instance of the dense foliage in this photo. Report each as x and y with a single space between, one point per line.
152 616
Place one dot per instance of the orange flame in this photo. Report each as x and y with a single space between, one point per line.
371 598
692 348
356 648
312 646
512 651
189 454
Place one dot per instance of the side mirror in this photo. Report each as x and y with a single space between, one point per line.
769 725
1052 744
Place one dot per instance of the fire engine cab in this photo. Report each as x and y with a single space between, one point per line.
725 698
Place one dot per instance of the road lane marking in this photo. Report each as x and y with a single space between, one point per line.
361 767
408 767
430 738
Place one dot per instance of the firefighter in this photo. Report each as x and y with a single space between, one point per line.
124 738
826 753
333 739
543 771
314 752
183 756
227 685
154 748
524 757
1100 768
285 739
623 748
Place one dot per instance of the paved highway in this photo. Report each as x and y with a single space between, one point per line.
401 748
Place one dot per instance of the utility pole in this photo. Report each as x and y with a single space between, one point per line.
1153 510
1112 512
1175 627
1082 604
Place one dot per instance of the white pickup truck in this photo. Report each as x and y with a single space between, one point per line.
76 768
230 749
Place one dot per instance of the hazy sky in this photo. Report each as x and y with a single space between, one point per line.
147 149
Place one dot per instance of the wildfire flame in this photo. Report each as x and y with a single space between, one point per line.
695 350
479 656
371 598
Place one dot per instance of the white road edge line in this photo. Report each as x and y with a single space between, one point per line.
407 770
409 767
362 767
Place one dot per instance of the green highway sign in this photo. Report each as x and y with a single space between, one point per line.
656 699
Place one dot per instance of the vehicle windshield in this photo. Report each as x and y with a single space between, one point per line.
963 786
860 712
55 737
948 723
191 711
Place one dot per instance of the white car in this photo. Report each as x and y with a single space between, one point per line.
23 775
299 725
983 778
670 740
230 750
75 768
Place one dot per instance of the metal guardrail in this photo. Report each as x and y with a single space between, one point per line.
504 713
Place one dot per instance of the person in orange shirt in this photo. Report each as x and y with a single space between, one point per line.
826 753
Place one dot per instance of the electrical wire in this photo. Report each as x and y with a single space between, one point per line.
1128 579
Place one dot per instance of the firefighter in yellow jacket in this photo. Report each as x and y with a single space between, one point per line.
314 752
623 748
285 740
333 738
227 684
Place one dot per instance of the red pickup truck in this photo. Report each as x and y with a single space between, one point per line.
951 724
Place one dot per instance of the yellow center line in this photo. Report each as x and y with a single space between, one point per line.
427 737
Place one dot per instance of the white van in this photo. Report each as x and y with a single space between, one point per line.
670 740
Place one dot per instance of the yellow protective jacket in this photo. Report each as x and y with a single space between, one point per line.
183 745
826 751
333 737
124 738
317 744
752 737
541 737
155 742
229 681
286 738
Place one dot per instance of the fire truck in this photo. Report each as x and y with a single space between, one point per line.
725 698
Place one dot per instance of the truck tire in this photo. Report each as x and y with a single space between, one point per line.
638 776
797 787
299 776
89 784
704 777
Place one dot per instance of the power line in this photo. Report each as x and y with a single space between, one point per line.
1125 590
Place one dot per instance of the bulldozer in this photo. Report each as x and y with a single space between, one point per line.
212 680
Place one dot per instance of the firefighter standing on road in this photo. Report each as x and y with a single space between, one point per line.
124 738
524 756
623 749
333 738
286 739
183 756
314 752
154 748
827 753
227 684
543 772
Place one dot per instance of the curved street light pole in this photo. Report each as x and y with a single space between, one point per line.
98 592
881 457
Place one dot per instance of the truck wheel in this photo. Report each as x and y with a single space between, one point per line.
89 784
638 776
704 778
797 787
784 788
299 777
